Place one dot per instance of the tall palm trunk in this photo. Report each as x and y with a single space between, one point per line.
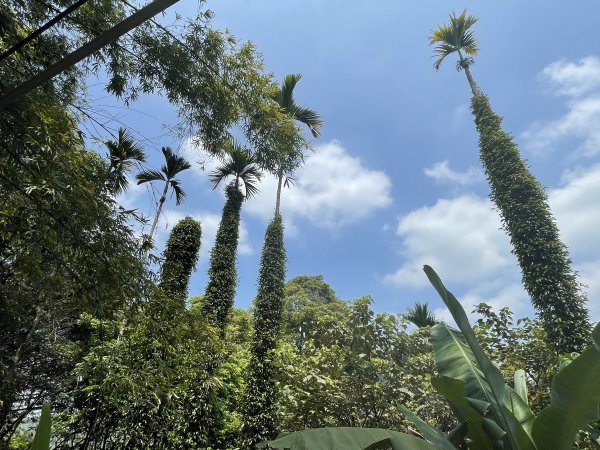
526 216
161 202
465 66
278 199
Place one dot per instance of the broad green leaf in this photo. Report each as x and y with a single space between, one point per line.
453 391
430 433
41 440
519 409
468 362
574 400
521 385
348 439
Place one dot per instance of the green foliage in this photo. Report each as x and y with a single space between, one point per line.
521 346
544 259
260 396
455 37
149 387
353 366
122 155
493 414
181 255
222 273
350 439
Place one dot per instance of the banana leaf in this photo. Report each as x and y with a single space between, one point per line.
348 439
433 435
453 391
41 440
458 355
574 400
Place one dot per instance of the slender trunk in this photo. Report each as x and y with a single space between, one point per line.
160 205
278 199
463 63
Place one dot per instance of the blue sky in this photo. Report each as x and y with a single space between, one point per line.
395 180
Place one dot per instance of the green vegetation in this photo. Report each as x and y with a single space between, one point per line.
260 397
523 205
181 256
490 413
104 331
222 274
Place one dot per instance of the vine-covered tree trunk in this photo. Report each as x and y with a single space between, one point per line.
181 256
259 414
222 273
544 259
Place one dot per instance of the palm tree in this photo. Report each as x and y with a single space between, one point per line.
174 165
421 316
523 205
259 411
240 164
222 273
457 37
122 154
285 99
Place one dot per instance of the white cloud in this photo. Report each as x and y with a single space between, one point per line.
577 213
509 295
580 122
332 189
210 224
460 238
579 81
442 172
573 79
589 274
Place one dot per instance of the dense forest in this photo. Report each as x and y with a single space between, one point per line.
99 336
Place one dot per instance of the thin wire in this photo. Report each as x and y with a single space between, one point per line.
61 15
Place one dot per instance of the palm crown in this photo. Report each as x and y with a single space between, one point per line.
174 164
455 37
285 99
421 316
122 154
240 164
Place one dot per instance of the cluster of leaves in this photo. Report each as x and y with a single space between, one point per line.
491 413
181 256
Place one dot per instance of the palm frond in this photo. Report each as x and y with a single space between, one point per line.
285 97
150 175
179 192
241 164
310 118
454 37
174 164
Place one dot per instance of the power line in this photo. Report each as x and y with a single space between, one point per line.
41 29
